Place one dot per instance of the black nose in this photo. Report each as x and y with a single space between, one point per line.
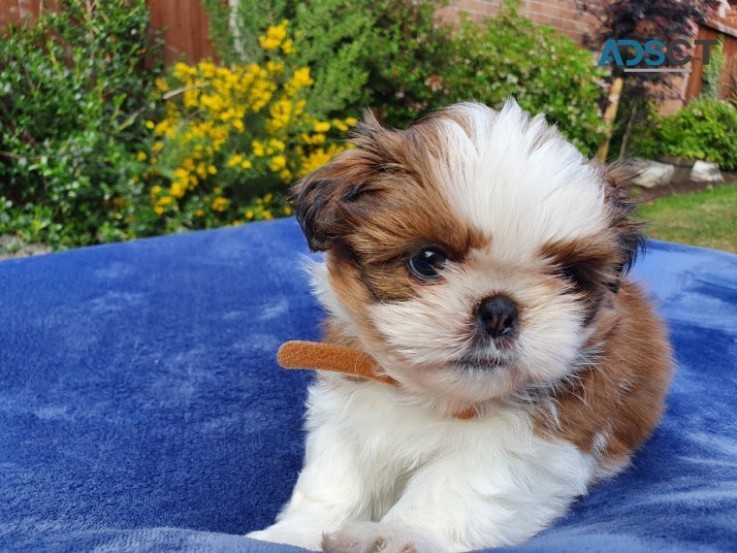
498 316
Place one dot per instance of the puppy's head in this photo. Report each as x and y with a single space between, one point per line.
471 253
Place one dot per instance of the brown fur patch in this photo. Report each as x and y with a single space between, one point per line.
621 397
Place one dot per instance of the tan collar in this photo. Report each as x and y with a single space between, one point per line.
297 354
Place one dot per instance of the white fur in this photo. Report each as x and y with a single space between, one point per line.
443 484
518 180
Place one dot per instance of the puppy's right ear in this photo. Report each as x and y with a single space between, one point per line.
329 201
318 200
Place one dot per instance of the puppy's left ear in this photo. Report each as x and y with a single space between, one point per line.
629 230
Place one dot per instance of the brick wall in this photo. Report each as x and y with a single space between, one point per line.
563 15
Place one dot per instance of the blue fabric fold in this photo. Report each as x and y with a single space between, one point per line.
141 407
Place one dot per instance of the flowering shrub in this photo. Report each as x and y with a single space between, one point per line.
384 54
232 139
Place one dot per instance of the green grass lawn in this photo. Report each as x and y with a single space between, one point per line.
706 218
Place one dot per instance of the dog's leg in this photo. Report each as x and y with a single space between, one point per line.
329 492
486 497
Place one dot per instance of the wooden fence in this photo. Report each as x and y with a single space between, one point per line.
728 35
184 24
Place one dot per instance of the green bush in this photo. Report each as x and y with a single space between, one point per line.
74 96
705 129
397 58
385 54
408 54
329 39
545 71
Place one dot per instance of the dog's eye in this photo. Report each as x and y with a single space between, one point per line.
426 264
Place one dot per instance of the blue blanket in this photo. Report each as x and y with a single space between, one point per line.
141 408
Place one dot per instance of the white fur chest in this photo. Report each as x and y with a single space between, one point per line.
379 452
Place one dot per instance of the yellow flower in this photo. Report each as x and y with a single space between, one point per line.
287 46
340 125
318 158
207 69
177 189
287 211
276 145
182 71
233 160
159 210
321 126
199 213
150 124
286 175
246 164
277 163
191 98
213 102
301 78
278 32
274 67
281 115
249 214
273 37
258 148
220 204
141 156
161 85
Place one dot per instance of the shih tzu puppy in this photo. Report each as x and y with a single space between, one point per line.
481 260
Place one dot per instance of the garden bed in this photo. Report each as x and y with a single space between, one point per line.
681 184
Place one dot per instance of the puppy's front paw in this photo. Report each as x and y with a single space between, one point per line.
374 537
280 533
